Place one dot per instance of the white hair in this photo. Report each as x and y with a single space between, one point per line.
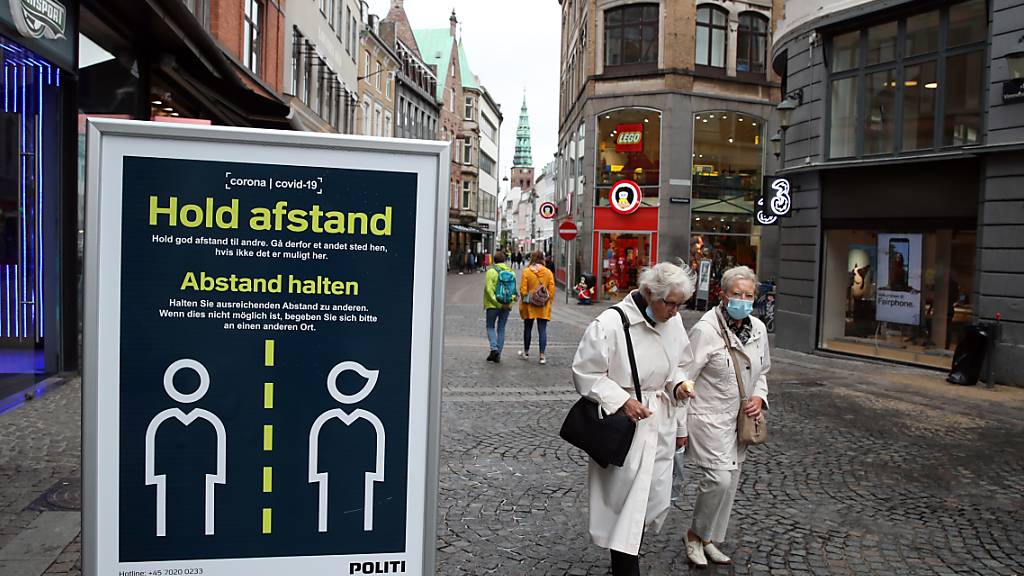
666 277
730 276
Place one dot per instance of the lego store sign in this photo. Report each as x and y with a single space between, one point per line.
629 138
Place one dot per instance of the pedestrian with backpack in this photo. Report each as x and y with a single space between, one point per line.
499 294
537 291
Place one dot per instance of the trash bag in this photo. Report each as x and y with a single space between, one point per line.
679 474
969 356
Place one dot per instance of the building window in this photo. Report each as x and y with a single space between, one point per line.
631 36
488 129
467 152
467 195
352 37
451 101
297 44
711 36
752 43
366 66
367 120
345 40
201 10
728 168
307 72
469 107
253 36
628 148
487 164
387 85
378 121
932 64
387 124
376 75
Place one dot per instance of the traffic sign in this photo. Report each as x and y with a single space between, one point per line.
548 210
567 230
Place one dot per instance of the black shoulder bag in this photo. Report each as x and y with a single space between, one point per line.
604 437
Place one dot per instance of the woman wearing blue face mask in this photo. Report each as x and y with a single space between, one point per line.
708 428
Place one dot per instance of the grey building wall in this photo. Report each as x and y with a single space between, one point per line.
984 183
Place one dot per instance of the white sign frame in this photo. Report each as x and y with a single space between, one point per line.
901 305
109 142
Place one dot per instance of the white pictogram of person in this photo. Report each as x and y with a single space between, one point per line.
160 480
315 476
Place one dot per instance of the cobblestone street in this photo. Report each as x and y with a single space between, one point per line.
871 469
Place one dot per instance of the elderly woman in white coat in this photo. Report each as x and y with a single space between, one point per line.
709 425
624 501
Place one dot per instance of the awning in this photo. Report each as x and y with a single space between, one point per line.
467 229
182 54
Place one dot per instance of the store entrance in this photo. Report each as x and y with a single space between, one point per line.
27 86
622 257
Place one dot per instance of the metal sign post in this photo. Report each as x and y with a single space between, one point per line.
260 395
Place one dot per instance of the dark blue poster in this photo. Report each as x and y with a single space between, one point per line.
266 324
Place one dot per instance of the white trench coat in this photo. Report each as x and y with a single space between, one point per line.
710 418
625 500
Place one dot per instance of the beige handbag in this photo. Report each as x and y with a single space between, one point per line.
748 430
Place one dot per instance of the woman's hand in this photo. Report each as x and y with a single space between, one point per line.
753 408
635 410
681 441
684 390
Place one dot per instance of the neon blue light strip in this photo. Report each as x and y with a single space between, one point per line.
37 309
7 300
24 201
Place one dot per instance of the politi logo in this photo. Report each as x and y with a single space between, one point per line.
39 18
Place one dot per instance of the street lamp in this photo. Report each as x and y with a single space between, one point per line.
776 141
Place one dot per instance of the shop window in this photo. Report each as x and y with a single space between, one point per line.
253 35
752 43
964 77
712 29
622 257
728 170
628 148
881 107
631 36
922 34
920 82
904 296
939 72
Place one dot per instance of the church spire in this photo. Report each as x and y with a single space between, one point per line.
524 153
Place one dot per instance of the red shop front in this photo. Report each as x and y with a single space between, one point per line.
623 245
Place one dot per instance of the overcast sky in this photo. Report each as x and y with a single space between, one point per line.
511 45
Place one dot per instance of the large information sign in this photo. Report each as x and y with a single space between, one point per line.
263 352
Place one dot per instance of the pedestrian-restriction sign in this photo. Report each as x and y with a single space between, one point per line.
625 197
548 210
567 230
261 396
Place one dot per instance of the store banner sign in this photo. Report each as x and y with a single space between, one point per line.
774 202
898 296
262 378
629 138
46 27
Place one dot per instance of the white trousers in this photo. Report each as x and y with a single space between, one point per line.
716 492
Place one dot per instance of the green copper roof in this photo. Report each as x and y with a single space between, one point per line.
436 47
468 78
524 153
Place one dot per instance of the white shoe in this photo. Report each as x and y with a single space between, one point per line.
715 555
524 355
695 552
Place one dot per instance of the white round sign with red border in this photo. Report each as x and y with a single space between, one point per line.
548 210
625 197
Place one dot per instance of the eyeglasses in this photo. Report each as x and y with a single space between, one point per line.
671 305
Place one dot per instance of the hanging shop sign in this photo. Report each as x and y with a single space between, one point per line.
704 280
775 201
46 27
629 138
625 196
898 296
548 210
266 400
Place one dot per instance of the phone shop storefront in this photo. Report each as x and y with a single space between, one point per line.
900 294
